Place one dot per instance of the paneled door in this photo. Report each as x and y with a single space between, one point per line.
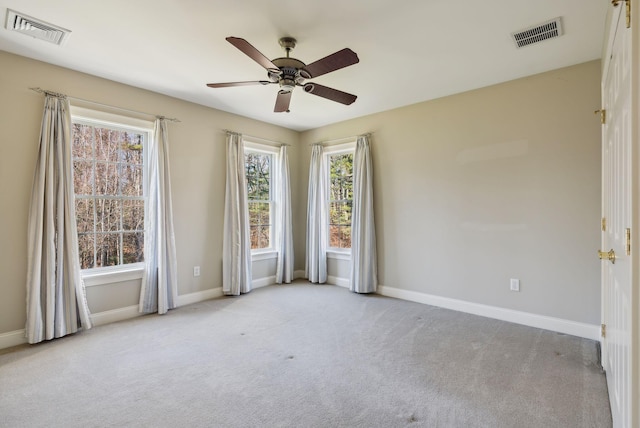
617 298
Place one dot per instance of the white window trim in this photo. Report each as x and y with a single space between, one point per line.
263 254
337 149
112 274
269 252
339 253
130 271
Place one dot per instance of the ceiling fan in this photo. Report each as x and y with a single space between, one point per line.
291 72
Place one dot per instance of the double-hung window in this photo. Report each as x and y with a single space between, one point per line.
340 195
260 164
109 173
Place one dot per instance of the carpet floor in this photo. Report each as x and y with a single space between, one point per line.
304 355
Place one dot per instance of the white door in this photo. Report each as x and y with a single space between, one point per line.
616 210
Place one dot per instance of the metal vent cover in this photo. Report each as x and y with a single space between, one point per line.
36 28
547 30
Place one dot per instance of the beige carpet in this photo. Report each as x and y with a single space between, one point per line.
306 356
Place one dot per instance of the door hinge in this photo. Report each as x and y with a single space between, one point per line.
627 9
603 330
604 224
628 236
603 115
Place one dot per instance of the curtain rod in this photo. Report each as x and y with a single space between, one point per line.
251 137
338 140
59 95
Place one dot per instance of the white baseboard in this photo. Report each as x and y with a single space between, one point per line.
341 282
199 296
559 325
114 315
298 274
12 338
263 282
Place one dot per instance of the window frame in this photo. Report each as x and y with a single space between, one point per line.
337 149
86 116
255 147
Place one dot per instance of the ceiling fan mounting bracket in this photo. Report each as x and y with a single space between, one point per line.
287 43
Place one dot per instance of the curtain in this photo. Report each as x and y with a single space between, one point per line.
316 257
159 291
363 236
284 224
236 245
56 300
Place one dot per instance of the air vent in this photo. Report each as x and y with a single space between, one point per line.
544 31
33 27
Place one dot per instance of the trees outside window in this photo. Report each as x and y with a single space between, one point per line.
108 174
259 173
340 199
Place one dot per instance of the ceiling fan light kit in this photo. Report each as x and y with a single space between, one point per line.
290 72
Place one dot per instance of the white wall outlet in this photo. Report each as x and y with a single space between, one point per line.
196 271
515 284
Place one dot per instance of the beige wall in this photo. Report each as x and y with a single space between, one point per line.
197 153
471 190
497 183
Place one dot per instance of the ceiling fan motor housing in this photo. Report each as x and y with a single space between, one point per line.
291 73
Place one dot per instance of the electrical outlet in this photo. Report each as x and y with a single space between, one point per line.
196 271
515 284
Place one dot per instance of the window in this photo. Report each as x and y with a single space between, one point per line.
260 165
340 166
110 190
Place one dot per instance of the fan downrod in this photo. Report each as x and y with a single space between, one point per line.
288 43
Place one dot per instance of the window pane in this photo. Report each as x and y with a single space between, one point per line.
131 149
258 170
107 144
132 247
83 177
108 212
106 178
84 216
344 232
254 236
340 213
108 163
133 215
107 249
340 199
259 237
259 213
263 236
82 141
131 180
85 248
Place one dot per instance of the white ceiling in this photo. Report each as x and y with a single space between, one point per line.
410 50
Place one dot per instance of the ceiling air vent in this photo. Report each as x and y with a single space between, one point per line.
538 33
33 27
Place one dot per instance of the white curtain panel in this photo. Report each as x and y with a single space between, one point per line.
284 223
236 246
159 291
56 300
364 276
316 257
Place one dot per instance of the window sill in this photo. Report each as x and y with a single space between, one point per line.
103 276
339 254
264 255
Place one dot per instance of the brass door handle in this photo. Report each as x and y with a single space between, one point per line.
608 255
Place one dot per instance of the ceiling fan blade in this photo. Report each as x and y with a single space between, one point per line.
252 53
330 93
333 62
230 84
282 101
